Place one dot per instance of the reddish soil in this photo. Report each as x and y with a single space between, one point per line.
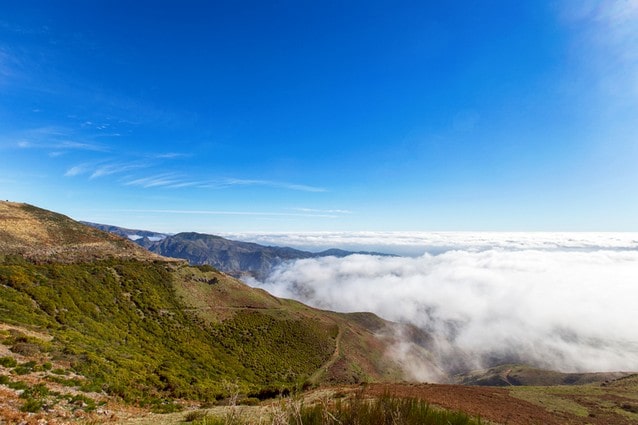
492 404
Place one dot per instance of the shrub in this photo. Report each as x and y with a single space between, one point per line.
194 415
206 268
32 405
80 401
249 401
384 410
8 361
22 370
25 348
37 391
166 406
17 385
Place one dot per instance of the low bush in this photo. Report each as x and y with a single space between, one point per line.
195 415
36 391
384 410
32 405
83 402
8 361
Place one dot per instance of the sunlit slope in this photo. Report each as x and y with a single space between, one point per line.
145 328
42 235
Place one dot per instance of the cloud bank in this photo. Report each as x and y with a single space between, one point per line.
564 309
418 243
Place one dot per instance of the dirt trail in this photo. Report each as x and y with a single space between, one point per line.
331 361
506 377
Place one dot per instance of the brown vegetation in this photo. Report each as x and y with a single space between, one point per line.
44 236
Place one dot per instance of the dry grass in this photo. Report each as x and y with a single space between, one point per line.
42 235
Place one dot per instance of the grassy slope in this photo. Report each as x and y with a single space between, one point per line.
42 236
521 375
612 402
121 324
146 328
140 325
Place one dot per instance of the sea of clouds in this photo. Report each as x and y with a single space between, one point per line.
418 243
562 301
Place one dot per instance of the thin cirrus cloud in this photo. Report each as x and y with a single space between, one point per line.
170 155
161 180
77 170
55 139
562 309
174 181
109 169
103 169
329 211
229 213
230 182
65 145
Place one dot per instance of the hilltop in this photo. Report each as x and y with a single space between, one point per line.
41 235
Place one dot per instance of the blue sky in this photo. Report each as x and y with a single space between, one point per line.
229 116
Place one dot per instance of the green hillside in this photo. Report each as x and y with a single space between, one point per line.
121 324
147 329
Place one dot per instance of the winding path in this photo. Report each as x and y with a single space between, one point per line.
314 378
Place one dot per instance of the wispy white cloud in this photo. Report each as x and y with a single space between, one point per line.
74 145
77 170
230 181
54 138
116 168
169 180
98 169
170 155
223 212
330 211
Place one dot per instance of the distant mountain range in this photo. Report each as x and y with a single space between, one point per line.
235 258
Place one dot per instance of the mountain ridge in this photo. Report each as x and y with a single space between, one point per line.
237 258
144 327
